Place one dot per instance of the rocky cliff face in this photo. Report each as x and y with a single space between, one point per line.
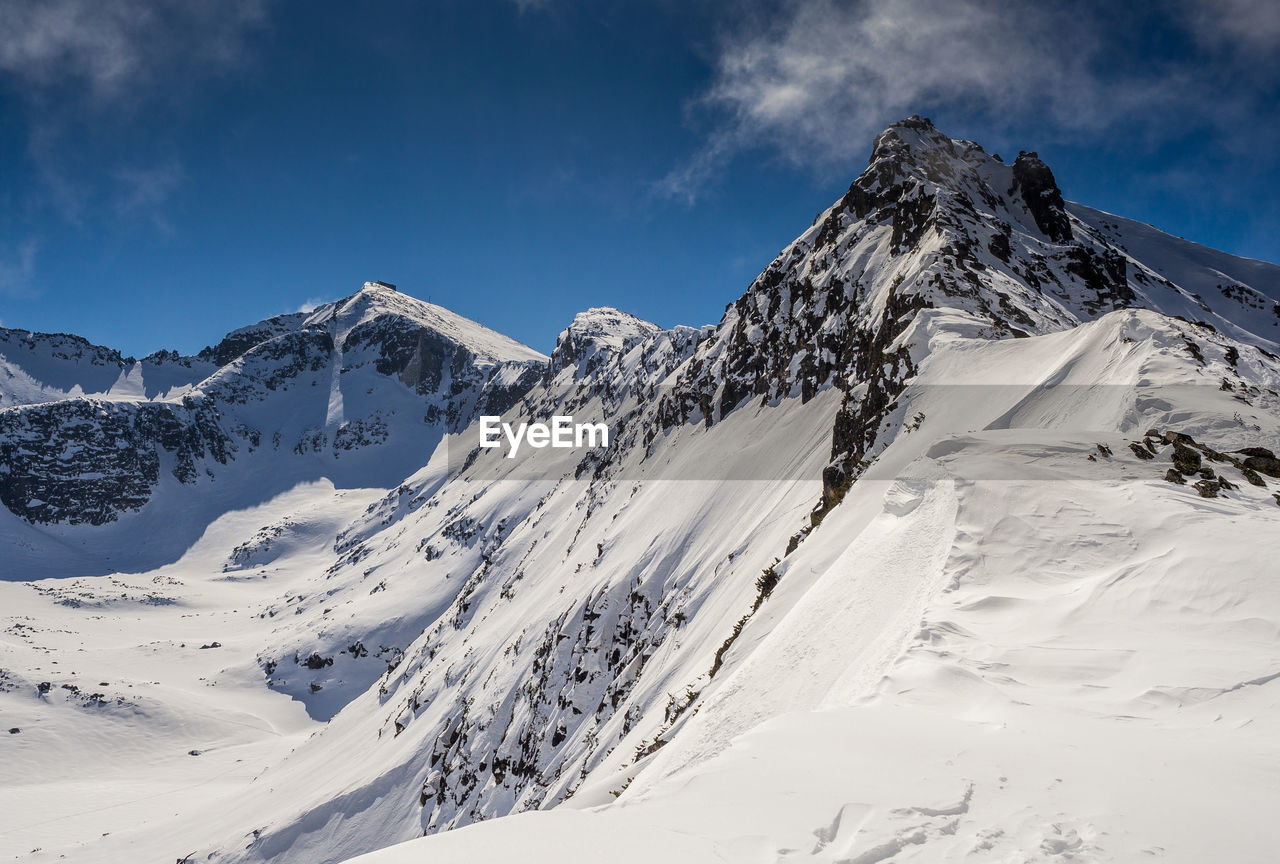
596 336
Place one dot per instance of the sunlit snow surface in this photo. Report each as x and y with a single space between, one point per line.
1009 652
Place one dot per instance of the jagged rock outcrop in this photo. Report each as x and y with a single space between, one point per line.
1040 191
596 336
240 340
932 222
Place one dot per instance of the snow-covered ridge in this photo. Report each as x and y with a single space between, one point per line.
47 367
373 302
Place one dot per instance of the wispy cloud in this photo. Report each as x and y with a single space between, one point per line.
311 304
81 66
814 80
817 81
18 269
1252 26
144 191
105 48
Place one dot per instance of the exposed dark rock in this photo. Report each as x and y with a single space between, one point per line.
1268 465
999 245
118 455
315 661
1105 275
1208 488
239 341
1140 451
1044 199
1185 459
1193 348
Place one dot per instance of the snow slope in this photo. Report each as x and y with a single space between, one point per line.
992 650
1240 290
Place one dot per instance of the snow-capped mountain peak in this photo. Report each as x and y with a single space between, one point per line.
596 336
375 300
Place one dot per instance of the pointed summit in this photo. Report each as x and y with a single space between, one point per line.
597 334
914 133
379 309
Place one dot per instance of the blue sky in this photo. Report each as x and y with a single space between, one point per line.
171 170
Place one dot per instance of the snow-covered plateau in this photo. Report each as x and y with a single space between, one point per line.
956 539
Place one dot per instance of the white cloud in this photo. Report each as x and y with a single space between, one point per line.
817 84
105 48
311 304
815 81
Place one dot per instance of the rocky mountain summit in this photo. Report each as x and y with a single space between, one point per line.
936 223
594 336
